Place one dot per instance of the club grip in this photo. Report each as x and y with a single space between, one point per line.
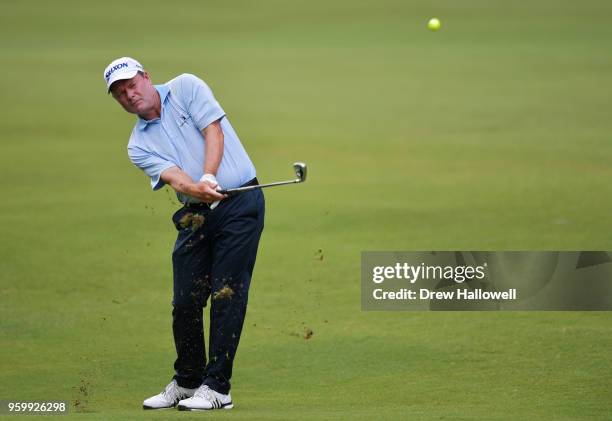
230 193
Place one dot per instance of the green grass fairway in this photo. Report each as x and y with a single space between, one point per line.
492 134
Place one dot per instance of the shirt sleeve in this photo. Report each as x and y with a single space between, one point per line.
153 165
201 103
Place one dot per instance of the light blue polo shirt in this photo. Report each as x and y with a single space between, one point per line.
175 139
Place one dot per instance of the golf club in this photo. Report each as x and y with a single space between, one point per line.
300 173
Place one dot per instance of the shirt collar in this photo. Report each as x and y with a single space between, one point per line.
163 94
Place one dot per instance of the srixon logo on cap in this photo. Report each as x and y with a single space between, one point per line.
115 67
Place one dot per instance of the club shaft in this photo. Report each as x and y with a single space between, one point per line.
258 186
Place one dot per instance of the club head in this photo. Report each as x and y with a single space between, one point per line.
300 171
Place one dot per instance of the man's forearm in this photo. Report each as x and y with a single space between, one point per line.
178 180
213 136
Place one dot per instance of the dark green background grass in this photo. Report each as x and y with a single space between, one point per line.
492 134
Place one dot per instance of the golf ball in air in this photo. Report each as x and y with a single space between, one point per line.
434 24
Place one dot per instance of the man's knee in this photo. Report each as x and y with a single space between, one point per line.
191 302
231 285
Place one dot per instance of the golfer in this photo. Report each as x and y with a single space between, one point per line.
183 138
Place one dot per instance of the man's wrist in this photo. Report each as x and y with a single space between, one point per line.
190 189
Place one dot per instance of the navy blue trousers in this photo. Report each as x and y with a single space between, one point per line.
213 258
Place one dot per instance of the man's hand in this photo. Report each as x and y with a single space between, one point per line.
204 191
182 183
211 180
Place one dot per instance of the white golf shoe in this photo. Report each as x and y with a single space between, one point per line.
205 399
169 397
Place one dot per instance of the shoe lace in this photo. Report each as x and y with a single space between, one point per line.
172 391
206 393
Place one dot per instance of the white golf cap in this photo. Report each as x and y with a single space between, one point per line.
121 68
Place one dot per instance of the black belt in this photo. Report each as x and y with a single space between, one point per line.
204 205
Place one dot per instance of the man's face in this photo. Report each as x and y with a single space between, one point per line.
136 95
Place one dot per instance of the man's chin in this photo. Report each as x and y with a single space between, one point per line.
136 110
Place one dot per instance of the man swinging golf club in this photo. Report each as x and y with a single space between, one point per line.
183 138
